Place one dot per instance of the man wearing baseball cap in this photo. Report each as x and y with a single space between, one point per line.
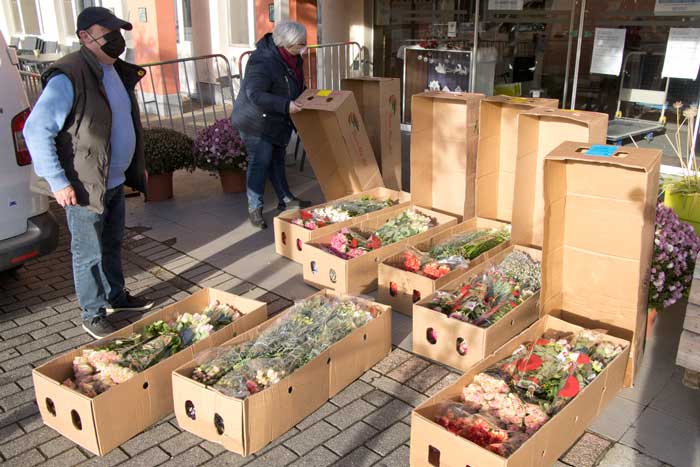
84 135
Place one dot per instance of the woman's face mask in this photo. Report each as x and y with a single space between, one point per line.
114 44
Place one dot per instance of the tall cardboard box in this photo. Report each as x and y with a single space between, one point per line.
539 132
497 153
102 423
599 239
378 100
333 133
444 139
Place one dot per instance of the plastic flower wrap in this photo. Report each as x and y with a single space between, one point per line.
413 260
313 219
471 244
350 244
505 405
306 331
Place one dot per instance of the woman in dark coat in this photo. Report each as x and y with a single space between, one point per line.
273 80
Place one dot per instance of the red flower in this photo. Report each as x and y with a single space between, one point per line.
320 224
411 262
570 389
353 243
252 386
374 242
532 363
434 270
535 380
583 359
542 342
516 293
306 215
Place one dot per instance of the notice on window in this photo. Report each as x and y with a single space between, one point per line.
452 29
508 5
676 7
608 48
682 54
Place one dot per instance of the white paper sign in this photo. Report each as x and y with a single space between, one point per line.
608 48
452 29
509 5
682 54
676 7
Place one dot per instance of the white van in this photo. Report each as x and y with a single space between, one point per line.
27 228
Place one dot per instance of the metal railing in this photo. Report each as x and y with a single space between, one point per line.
32 85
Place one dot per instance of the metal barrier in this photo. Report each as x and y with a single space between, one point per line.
32 85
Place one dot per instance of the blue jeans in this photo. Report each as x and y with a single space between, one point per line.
96 246
265 160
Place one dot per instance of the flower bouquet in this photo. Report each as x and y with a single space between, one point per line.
117 360
505 405
413 260
341 211
488 297
307 330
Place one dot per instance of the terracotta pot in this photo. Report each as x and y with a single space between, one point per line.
232 181
651 319
160 187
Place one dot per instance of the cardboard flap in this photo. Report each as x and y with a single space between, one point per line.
462 96
322 99
582 116
638 158
530 102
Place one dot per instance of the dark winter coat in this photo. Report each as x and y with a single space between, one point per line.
262 106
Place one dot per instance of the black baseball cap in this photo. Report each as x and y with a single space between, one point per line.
102 16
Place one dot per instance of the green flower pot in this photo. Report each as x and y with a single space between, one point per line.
687 207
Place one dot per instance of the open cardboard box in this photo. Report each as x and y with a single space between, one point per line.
599 239
291 238
104 422
333 134
378 100
401 289
434 446
451 334
323 269
539 132
248 425
497 153
444 139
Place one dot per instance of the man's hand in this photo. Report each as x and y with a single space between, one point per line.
294 107
66 197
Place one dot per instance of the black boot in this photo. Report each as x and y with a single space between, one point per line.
295 203
257 219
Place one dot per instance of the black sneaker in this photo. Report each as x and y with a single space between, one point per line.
98 327
130 303
257 219
295 203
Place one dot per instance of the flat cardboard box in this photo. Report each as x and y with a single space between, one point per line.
497 153
599 239
444 140
539 132
291 238
434 446
104 422
323 269
335 140
378 99
410 287
451 332
252 423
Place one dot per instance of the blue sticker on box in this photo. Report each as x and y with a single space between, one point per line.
602 150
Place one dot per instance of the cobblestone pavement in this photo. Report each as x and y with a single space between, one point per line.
366 424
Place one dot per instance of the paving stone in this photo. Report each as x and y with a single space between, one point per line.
8 354
24 443
389 439
427 378
27 459
19 340
391 361
8 390
216 280
149 439
22 329
10 432
193 456
398 458
113 458
227 459
14 375
70 344
40 343
324 411
56 446
377 398
68 458
408 369
319 457
399 391
350 438
212 448
624 456
281 440
360 457
67 306
25 320
442 384
278 457
180 443
389 414
26 383
350 414
73 332
356 390
313 436
586 451
17 414
17 399
33 422
152 457
53 329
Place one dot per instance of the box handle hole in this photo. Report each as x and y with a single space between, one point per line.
75 417
461 346
332 275
328 362
330 99
314 268
219 424
50 406
290 390
393 289
433 456
431 335
364 337
512 322
145 385
190 411
544 451
284 238
299 244
576 419
310 98
416 296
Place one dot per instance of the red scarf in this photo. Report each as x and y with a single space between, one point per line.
293 64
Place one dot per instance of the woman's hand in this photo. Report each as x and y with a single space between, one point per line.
294 107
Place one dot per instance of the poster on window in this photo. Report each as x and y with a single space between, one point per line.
608 48
676 7
507 5
682 54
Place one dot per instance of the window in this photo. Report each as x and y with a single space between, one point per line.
238 22
69 15
183 7
26 17
16 17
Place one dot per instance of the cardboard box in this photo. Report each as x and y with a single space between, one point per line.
410 287
336 143
451 332
250 424
444 139
323 269
432 445
599 239
104 422
378 99
497 153
291 238
539 132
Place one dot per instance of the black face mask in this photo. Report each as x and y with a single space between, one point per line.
114 45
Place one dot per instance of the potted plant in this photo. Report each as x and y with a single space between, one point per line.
219 148
676 248
166 151
683 194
